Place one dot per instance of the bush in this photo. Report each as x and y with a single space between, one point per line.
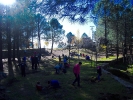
120 74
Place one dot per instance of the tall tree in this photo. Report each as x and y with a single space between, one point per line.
84 35
40 23
1 14
8 32
57 32
74 10
69 37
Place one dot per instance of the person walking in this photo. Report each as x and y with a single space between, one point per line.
76 71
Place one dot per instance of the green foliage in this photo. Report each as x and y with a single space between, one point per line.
57 33
74 10
69 37
119 73
55 24
84 35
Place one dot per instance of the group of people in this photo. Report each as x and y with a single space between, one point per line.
62 65
76 71
34 61
51 84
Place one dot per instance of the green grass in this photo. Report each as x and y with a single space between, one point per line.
130 70
24 88
110 58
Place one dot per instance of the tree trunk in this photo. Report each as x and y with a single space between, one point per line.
117 46
14 45
52 42
8 30
1 63
52 46
69 53
32 39
39 42
106 34
125 45
18 54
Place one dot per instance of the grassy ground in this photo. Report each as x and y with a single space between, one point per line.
24 88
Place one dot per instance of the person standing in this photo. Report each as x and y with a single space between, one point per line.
76 71
22 67
32 62
99 72
35 62
59 58
24 59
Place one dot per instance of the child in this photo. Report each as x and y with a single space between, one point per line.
57 68
99 72
39 86
53 84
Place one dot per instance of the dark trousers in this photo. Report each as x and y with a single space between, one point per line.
34 66
57 70
77 79
23 72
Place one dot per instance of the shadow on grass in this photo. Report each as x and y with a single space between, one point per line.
24 89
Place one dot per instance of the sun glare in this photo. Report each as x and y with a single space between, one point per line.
7 2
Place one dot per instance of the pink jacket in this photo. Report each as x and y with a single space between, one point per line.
76 69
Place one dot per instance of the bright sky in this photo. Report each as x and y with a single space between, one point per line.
7 2
68 27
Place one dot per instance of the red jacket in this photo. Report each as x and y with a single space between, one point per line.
76 69
39 87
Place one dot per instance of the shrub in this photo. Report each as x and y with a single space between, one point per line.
120 74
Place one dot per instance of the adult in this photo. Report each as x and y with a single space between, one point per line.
39 56
65 61
24 59
31 58
76 71
35 62
22 67
59 58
